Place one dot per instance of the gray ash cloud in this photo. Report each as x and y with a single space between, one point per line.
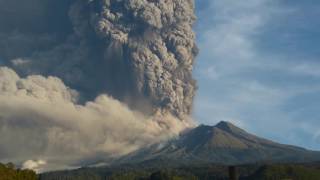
68 67
139 51
155 41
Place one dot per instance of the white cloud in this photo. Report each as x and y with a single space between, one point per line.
306 69
211 72
34 165
20 62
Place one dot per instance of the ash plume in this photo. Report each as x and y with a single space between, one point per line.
155 42
97 59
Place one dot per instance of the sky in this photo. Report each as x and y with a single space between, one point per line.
259 67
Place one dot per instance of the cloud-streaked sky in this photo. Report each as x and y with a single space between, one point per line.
259 67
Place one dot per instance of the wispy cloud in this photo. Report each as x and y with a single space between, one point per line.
226 37
317 136
307 69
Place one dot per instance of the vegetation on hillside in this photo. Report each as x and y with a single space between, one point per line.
9 172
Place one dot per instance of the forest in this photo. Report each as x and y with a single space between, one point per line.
10 172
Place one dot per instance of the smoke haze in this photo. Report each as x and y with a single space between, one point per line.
77 74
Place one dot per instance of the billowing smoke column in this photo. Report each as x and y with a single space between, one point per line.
152 41
79 73
139 51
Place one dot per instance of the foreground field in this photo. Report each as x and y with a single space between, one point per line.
206 172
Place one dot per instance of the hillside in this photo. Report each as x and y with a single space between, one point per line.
223 144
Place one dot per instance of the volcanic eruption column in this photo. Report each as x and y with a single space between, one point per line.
64 59
151 41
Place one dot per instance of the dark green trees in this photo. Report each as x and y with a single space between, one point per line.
9 172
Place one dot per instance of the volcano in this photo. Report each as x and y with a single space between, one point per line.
224 144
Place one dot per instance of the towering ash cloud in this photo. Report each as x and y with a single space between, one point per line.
153 40
107 65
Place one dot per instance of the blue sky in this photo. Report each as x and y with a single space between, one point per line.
259 67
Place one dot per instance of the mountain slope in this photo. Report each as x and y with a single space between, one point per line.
221 144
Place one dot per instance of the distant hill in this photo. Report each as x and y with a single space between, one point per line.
223 144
